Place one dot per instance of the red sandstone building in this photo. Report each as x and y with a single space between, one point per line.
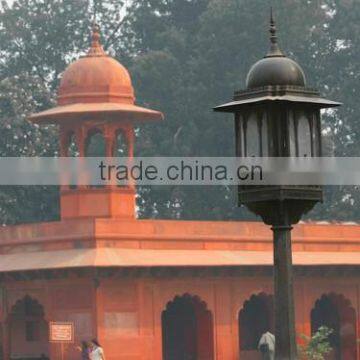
156 289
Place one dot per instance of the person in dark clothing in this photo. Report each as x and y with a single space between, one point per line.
85 350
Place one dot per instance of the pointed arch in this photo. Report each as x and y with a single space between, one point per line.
336 312
28 328
28 306
255 318
187 329
95 144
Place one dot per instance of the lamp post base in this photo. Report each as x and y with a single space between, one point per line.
280 207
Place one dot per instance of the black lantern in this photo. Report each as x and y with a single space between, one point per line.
278 116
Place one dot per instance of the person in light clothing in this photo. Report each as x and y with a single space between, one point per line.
266 346
97 352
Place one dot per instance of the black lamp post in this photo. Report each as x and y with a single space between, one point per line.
278 116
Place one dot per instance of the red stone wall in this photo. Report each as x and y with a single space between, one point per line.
125 313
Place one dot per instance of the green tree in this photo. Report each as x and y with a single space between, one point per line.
317 346
186 70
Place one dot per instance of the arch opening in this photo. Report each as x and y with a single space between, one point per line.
121 148
72 150
336 312
95 145
187 330
72 146
28 330
255 318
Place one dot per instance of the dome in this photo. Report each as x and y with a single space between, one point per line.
275 79
275 70
96 78
96 87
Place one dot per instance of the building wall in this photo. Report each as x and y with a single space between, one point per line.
62 300
125 313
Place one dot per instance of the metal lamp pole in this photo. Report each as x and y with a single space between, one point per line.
286 117
285 338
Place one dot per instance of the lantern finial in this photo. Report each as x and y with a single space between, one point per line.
274 46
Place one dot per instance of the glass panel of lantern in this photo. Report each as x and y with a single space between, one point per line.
239 131
292 133
316 134
252 139
303 135
264 135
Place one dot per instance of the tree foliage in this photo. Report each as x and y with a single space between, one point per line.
317 346
185 56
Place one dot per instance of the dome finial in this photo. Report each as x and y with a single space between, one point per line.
96 49
273 37
274 46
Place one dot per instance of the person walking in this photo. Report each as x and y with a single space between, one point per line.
97 352
266 346
85 350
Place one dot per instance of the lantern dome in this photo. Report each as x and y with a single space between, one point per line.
275 68
275 78
95 78
278 70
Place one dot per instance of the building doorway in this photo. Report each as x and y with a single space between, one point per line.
28 330
335 312
255 318
187 330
